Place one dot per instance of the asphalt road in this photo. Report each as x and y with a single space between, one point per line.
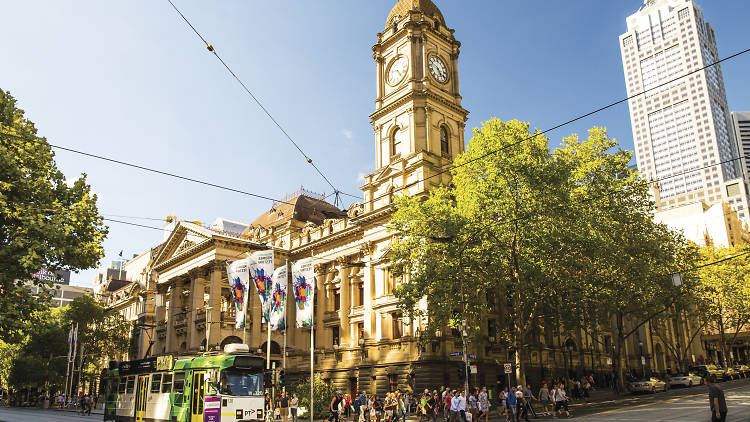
11 414
683 408
679 405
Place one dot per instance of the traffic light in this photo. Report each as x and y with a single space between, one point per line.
461 372
282 375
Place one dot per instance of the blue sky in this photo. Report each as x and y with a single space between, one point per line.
129 80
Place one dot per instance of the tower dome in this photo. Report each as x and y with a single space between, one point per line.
403 7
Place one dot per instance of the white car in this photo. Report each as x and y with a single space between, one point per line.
686 380
648 385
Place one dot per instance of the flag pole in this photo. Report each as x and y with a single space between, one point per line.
72 365
67 361
312 351
286 322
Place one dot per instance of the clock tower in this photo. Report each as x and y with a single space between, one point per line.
418 120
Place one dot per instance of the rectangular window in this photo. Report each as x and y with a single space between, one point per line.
335 335
121 387
360 330
337 300
155 383
178 385
627 41
361 294
398 325
131 385
166 383
683 14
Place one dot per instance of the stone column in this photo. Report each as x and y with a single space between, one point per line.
369 292
321 334
174 305
196 303
213 317
345 304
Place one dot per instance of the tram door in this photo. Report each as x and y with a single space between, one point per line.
140 398
196 396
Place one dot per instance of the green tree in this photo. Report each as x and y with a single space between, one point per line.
724 290
491 244
625 259
102 334
323 394
44 221
16 304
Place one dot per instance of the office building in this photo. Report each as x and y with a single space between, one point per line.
681 127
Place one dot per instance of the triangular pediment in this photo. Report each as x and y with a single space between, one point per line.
386 173
184 236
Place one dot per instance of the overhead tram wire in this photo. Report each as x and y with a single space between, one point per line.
144 168
211 48
452 166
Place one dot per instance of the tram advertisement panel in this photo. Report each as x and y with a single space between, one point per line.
212 409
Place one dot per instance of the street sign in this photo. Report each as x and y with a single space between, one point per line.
643 360
609 361
473 369
454 354
508 367
472 356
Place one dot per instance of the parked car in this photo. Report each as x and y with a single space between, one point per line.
706 370
731 374
688 379
743 370
648 385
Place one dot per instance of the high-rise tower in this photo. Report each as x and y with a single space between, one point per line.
683 126
418 120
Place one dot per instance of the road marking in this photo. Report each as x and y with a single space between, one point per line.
689 396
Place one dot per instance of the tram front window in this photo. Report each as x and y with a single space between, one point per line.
235 382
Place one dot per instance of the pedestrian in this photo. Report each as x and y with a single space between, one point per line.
530 398
377 407
512 401
462 406
484 405
334 407
284 406
561 401
472 407
544 399
716 400
447 399
293 403
503 411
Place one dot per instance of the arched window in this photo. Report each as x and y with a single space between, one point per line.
395 141
444 141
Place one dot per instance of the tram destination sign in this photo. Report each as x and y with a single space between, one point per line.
138 366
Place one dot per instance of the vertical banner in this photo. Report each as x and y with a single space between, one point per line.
278 298
261 270
303 284
239 285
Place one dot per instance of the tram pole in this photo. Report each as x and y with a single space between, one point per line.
286 323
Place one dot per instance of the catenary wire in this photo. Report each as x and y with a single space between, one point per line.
144 168
255 99
452 166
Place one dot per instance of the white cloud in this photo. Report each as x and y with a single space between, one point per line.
348 134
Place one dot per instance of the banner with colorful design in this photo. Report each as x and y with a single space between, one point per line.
261 270
303 284
278 298
239 285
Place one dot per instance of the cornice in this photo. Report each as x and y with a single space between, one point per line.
413 95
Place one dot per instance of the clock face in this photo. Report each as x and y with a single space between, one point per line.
438 69
397 71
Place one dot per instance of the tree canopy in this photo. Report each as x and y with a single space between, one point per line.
46 222
540 239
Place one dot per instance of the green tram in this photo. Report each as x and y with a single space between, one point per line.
210 388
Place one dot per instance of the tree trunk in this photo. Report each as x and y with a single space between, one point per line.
619 375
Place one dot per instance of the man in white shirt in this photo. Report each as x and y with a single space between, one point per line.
462 406
454 407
